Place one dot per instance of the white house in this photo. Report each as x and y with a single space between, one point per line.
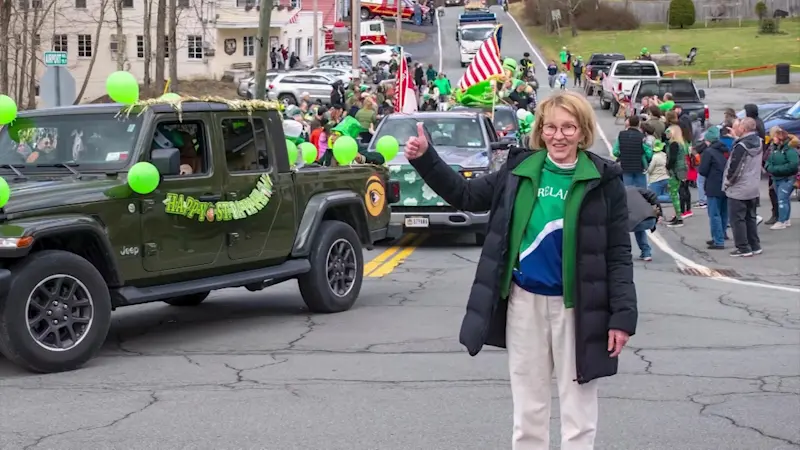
212 36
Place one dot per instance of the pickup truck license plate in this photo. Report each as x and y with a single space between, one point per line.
417 222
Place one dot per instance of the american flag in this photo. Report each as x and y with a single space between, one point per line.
485 64
404 96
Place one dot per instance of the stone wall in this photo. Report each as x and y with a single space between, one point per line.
656 11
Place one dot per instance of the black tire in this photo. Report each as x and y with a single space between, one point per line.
480 238
463 64
603 103
365 14
614 108
188 300
288 99
314 285
16 340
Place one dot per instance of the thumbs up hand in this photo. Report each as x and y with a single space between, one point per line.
417 145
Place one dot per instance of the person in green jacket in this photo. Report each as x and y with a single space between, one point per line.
782 166
349 126
678 186
430 73
443 85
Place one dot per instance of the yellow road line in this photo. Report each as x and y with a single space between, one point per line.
397 259
380 259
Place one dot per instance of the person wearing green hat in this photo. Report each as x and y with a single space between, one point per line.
645 55
349 126
577 71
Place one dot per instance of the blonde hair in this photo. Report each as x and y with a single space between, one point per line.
778 132
676 135
577 106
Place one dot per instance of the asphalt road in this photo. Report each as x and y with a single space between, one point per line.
715 365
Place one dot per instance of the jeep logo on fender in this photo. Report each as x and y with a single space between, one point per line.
375 196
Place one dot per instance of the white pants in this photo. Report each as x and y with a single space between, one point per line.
540 336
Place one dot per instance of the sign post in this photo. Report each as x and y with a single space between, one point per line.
57 87
555 15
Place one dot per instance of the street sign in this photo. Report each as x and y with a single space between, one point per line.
57 87
555 14
55 59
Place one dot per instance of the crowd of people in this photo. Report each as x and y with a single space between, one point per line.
666 151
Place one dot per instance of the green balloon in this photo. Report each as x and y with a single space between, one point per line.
291 149
8 110
143 178
529 118
388 147
345 150
122 87
5 192
308 152
170 97
18 126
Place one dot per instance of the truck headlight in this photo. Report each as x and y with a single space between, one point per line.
17 242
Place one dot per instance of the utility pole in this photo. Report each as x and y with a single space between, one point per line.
398 20
316 32
264 17
355 15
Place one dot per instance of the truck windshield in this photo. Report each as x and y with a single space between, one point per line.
636 70
476 34
100 140
462 132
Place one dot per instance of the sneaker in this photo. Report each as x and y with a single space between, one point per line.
700 205
646 258
686 215
788 223
713 246
771 220
675 222
738 253
710 242
759 219
758 252
778 226
727 238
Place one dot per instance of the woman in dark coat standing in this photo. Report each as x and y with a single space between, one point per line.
554 283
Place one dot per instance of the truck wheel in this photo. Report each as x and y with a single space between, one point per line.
337 269
614 108
480 238
365 14
187 300
603 103
56 314
287 99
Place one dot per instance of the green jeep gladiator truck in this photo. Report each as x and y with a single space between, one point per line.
76 240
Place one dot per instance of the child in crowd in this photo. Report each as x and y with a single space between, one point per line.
562 80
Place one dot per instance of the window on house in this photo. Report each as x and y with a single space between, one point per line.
245 3
309 47
60 43
127 3
245 144
37 41
183 3
114 43
80 4
25 4
194 47
295 4
249 45
140 46
297 43
84 46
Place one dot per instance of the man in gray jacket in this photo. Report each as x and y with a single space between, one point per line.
741 184
643 213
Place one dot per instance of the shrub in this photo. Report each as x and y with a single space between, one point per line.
604 17
761 10
681 13
769 26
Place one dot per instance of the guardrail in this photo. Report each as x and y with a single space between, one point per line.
730 73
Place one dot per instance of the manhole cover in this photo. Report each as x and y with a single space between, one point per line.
709 272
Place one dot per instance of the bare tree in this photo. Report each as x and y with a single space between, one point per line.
96 47
161 23
173 45
5 38
147 35
571 6
23 49
120 37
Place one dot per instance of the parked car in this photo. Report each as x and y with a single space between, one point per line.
378 54
247 88
289 87
684 93
766 111
464 140
621 78
76 246
789 120
338 73
600 63
345 60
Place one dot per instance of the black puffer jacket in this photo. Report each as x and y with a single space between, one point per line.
605 296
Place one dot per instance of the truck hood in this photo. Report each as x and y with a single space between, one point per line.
32 194
470 46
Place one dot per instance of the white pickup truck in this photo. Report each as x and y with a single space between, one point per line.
622 77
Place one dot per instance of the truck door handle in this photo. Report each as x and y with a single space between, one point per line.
210 198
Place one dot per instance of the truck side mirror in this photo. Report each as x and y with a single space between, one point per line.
701 93
166 160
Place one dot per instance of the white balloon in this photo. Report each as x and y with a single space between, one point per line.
521 113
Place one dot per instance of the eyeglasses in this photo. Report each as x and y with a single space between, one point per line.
568 130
